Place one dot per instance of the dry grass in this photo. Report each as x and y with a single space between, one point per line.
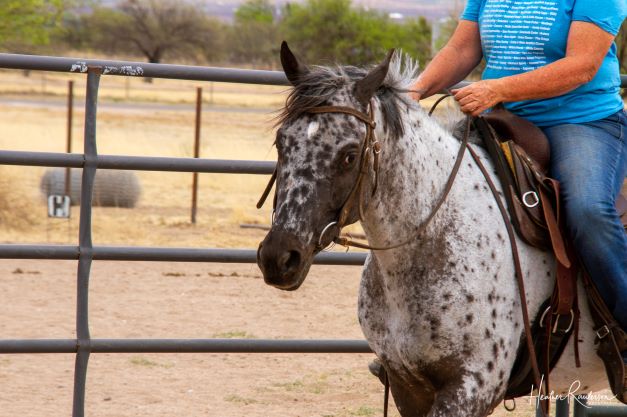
162 216
117 89
18 205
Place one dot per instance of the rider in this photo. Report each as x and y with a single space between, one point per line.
554 63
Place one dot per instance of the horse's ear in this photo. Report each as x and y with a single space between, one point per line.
294 70
367 86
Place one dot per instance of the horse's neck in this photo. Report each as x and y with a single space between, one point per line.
413 171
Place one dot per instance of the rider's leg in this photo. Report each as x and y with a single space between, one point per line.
590 161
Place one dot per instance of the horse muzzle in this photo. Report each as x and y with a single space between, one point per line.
283 260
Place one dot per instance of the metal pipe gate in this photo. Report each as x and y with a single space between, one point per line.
85 252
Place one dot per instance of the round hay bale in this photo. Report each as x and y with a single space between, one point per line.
112 188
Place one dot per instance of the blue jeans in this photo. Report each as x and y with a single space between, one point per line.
590 162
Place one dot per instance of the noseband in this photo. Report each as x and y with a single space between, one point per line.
370 145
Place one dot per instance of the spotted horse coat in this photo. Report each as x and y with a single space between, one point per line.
442 312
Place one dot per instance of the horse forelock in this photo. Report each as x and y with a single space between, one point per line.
323 84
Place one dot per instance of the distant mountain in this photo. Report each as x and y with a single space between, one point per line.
431 9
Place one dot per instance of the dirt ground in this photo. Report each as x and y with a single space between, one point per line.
168 300
172 300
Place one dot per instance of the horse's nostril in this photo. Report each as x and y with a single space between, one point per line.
289 260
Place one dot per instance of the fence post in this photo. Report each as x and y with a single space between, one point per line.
196 152
86 250
68 144
581 402
562 407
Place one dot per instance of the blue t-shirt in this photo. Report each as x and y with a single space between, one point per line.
521 35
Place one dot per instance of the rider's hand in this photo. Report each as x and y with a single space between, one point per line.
477 97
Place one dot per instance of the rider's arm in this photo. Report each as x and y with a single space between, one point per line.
453 63
586 48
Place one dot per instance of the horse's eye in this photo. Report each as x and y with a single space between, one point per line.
349 159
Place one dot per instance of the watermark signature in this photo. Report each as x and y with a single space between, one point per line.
573 392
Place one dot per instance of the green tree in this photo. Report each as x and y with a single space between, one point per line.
334 30
253 36
319 29
25 23
153 28
414 38
255 11
91 31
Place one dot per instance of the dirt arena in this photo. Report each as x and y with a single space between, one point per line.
168 300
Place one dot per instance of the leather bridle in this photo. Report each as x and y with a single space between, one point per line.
370 147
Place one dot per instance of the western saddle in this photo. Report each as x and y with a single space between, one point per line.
521 155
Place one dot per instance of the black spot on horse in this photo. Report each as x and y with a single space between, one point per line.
306 173
490 366
434 322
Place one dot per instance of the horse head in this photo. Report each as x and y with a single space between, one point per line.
323 152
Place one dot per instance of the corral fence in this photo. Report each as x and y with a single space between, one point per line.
85 252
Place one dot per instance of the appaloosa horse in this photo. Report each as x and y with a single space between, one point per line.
441 312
